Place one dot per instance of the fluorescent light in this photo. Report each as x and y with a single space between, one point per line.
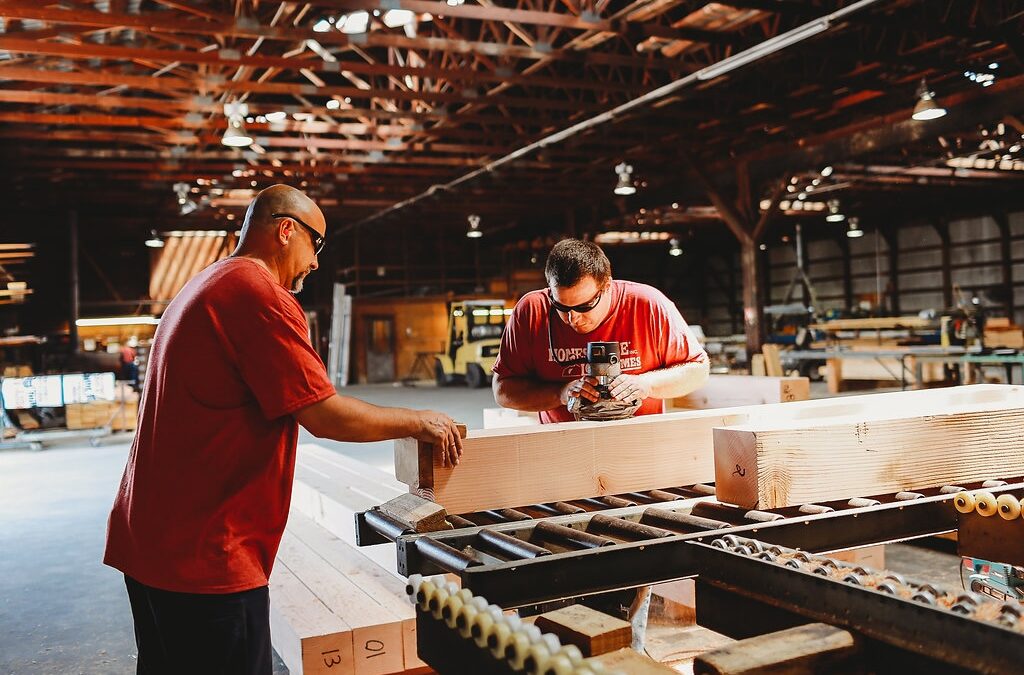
827 171
119 321
763 49
333 104
278 116
154 241
674 249
398 17
322 26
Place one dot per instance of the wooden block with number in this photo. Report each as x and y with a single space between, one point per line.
867 445
592 631
309 637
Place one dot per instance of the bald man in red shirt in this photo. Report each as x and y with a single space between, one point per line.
203 503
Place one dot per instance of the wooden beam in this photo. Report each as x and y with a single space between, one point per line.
728 391
868 445
154 22
530 465
320 68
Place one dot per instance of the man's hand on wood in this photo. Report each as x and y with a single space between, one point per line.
441 431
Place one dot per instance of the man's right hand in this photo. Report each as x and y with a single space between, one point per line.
584 388
440 430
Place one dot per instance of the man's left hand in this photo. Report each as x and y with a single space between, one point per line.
629 388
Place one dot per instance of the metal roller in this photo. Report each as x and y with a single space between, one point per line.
386 525
459 522
508 546
906 496
567 536
662 496
814 509
514 515
680 522
563 507
615 502
733 514
862 502
626 528
443 555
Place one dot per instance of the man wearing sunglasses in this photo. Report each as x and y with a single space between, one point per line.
541 359
205 495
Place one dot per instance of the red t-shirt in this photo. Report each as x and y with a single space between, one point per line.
205 495
651 332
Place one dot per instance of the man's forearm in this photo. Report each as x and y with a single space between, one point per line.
677 380
342 418
527 394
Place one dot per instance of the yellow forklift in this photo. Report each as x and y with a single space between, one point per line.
471 343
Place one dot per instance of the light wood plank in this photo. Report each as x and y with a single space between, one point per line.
729 391
376 633
879 444
307 635
529 465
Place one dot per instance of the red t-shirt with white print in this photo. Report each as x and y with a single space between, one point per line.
649 329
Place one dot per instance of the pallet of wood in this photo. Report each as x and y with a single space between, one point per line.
1000 333
336 607
729 391
883 371
869 445
90 415
335 611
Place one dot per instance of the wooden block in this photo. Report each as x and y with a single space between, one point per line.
553 462
757 365
868 556
726 391
628 661
772 361
594 632
413 460
419 514
853 448
997 322
679 601
814 648
310 638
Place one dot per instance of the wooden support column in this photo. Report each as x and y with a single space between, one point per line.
730 265
748 226
942 228
844 247
1006 258
892 240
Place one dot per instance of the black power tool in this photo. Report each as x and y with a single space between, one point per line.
603 365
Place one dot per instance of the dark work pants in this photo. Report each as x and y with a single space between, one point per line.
201 633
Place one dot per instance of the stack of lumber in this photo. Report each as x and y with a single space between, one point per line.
729 391
337 608
999 332
871 445
121 414
90 415
883 370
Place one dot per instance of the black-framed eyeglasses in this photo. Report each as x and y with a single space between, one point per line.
579 309
318 239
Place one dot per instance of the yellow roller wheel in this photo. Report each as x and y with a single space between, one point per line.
985 504
424 595
465 594
483 625
1008 507
516 650
437 602
451 609
498 640
573 653
964 502
559 664
537 660
464 620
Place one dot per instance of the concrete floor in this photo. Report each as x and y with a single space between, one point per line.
62 611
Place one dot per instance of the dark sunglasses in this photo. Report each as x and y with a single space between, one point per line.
318 239
579 309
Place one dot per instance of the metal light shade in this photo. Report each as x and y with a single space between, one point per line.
854 230
235 135
625 185
926 108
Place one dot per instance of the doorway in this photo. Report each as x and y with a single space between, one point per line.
380 349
